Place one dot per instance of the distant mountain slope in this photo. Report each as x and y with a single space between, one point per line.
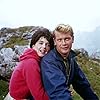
90 41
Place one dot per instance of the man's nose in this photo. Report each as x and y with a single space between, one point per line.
63 42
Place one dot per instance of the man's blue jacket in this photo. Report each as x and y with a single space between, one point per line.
57 82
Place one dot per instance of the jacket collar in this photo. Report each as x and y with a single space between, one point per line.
72 54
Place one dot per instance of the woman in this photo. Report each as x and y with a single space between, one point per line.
26 77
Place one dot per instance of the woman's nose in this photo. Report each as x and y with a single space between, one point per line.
44 45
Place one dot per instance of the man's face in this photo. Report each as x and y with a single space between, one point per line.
63 42
42 46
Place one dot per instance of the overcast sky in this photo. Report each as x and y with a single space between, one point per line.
82 15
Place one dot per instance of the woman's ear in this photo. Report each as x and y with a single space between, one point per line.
32 46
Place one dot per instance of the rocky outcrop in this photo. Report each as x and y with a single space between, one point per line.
81 52
9 56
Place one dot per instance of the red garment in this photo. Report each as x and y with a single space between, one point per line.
26 78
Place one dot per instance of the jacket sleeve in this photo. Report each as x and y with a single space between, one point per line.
54 81
82 86
33 80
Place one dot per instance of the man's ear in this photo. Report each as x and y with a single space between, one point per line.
73 39
54 41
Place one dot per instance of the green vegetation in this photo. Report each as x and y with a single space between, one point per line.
3 89
14 30
92 72
16 41
25 29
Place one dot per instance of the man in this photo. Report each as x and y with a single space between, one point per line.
60 70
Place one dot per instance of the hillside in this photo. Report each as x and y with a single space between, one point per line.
91 68
12 43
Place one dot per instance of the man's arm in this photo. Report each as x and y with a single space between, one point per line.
54 81
82 86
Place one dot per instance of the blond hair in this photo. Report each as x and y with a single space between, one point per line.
64 28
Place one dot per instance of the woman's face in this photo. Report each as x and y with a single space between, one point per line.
42 46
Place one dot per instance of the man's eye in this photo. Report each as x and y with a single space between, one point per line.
66 39
59 40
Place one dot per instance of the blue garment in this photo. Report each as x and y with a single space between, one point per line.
57 81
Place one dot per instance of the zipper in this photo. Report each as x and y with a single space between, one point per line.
67 72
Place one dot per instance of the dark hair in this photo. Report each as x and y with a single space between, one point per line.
45 33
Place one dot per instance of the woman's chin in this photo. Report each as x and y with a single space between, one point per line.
41 55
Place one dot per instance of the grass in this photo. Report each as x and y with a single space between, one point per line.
3 89
92 72
15 41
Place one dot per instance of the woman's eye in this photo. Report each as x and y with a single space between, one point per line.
48 45
40 43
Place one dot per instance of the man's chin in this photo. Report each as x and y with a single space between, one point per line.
65 52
